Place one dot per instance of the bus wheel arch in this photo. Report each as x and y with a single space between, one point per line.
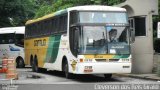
65 68
20 62
64 60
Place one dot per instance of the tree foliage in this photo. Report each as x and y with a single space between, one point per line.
56 5
62 4
15 12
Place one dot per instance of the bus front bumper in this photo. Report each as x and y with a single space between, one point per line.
102 68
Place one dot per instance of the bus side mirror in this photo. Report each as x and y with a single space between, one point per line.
132 35
76 40
76 48
74 32
132 29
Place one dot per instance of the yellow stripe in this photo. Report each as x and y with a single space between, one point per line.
39 19
98 56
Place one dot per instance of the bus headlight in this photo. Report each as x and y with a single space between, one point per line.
81 60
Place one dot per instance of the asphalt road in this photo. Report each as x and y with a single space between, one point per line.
54 80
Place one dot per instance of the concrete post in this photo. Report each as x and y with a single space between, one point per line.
142 48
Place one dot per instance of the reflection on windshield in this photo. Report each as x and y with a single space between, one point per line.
117 34
102 40
93 39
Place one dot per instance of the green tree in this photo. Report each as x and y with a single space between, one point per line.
50 6
56 5
16 12
44 7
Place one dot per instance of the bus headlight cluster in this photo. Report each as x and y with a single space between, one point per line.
125 60
81 60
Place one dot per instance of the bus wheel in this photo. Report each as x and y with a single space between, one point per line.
20 63
35 65
31 60
66 70
107 76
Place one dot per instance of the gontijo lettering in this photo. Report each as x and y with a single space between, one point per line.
41 42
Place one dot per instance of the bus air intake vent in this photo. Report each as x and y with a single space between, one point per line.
101 60
113 60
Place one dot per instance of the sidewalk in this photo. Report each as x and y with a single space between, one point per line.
142 76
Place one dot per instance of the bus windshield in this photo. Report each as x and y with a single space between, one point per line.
103 17
104 40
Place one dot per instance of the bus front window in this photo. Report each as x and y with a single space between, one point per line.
118 40
103 40
93 40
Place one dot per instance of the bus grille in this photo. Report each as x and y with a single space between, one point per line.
113 60
107 60
101 60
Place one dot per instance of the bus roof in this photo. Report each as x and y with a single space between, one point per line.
78 8
96 7
18 30
46 16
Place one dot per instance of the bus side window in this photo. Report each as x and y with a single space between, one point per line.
53 27
74 19
3 41
11 41
1 38
19 40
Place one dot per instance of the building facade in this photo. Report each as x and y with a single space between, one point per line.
140 14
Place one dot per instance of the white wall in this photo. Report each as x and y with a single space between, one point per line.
142 48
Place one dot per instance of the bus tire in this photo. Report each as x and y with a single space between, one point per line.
66 71
31 60
20 62
107 76
35 65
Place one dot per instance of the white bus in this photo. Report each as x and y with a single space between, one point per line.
80 40
12 44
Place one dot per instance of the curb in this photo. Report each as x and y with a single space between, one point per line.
139 77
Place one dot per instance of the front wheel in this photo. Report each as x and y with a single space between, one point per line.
66 70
